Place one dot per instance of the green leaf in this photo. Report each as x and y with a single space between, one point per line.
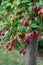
30 3
34 25
27 28
8 4
30 9
25 1
16 2
12 6
41 3
21 28
26 15
4 3
16 45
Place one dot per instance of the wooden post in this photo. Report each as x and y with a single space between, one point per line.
31 51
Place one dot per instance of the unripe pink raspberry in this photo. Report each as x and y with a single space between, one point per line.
31 14
39 12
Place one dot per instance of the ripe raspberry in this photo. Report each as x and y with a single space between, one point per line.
19 12
2 34
31 14
7 45
0 31
11 44
10 49
38 8
21 51
32 34
26 38
31 37
26 22
37 33
24 52
11 41
34 7
16 39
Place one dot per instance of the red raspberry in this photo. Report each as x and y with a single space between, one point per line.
7 45
10 48
24 52
41 16
2 34
34 7
26 22
11 44
11 41
32 34
16 39
37 33
19 12
0 31
26 38
21 51
38 8
31 37
31 14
